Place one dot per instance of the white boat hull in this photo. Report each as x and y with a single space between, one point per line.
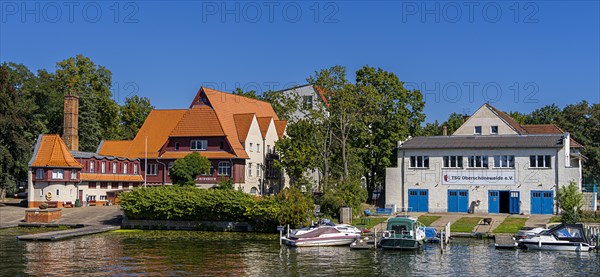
557 246
333 241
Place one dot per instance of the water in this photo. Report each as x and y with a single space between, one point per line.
176 253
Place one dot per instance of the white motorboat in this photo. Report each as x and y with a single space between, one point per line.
323 236
564 237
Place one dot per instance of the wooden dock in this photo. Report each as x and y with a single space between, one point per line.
70 233
505 242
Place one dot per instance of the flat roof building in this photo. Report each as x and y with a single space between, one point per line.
490 164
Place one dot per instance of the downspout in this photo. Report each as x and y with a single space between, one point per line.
263 168
164 171
402 180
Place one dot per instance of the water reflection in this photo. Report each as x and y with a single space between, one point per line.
160 253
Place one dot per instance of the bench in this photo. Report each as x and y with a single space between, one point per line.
368 212
52 204
383 211
67 204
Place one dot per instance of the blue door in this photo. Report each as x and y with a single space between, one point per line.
458 201
542 201
418 200
515 202
493 201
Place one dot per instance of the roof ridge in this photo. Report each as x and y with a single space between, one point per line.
236 95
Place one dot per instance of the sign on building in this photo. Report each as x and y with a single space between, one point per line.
478 177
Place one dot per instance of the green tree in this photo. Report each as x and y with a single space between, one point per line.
349 193
297 154
250 94
133 114
284 105
295 208
184 171
570 201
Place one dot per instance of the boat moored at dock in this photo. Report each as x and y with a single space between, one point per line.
403 233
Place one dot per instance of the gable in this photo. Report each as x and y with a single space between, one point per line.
486 116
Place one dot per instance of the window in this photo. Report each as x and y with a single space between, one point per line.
250 147
308 101
57 192
103 185
224 169
477 130
91 197
419 161
494 130
177 146
92 185
57 174
73 173
539 161
268 148
114 185
258 147
39 173
453 161
199 144
504 161
92 166
258 170
103 167
250 169
478 161
125 185
125 168
253 191
209 171
152 169
170 165
102 197
135 169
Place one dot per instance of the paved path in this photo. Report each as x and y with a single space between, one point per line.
101 215
538 220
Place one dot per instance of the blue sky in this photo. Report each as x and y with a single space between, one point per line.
516 55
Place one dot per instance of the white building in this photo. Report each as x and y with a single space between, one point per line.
491 164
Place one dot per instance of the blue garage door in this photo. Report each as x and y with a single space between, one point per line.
493 202
458 201
542 201
515 202
418 200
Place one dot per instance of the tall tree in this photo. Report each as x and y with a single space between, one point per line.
133 114
184 171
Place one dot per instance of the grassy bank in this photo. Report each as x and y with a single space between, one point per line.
510 225
465 224
369 222
428 219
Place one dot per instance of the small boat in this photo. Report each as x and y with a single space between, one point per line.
563 237
403 233
323 236
527 233
431 235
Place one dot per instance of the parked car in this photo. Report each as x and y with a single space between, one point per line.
21 195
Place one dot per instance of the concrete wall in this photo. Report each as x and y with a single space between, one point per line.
526 178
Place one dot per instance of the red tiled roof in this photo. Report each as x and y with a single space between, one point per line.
242 124
548 129
199 121
280 127
116 148
51 151
111 177
263 124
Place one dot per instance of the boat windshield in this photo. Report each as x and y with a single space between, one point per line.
399 229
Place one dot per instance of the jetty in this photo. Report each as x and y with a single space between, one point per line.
505 242
70 233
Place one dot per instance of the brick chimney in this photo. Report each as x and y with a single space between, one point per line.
71 122
444 130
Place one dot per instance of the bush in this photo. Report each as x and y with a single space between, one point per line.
43 206
296 208
570 200
349 193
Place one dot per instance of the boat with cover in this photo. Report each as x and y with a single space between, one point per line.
403 233
324 235
563 237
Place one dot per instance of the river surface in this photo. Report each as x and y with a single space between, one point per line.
178 253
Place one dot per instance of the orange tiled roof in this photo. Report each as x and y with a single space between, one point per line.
226 105
117 148
207 154
280 127
199 121
111 177
51 151
263 124
321 92
242 124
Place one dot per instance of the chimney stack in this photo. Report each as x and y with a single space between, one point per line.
71 122
444 130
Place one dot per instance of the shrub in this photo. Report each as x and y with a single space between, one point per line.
184 171
569 200
43 206
348 193
296 208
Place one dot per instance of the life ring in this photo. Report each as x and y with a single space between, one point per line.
49 196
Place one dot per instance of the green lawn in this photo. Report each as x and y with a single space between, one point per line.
465 224
368 222
428 219
511 225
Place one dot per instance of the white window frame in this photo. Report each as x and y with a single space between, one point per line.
224 169
475 130
492 130
73 173
135 169
504 161
91 166
448 161
546 161
103 167
125 167
39 173
249 169
58 174
418 162
258 170
478 161
199 145
152 169
102 197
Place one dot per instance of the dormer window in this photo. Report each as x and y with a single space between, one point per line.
58 174
92 166
74 174
494 130
39 173
477 130
199 144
